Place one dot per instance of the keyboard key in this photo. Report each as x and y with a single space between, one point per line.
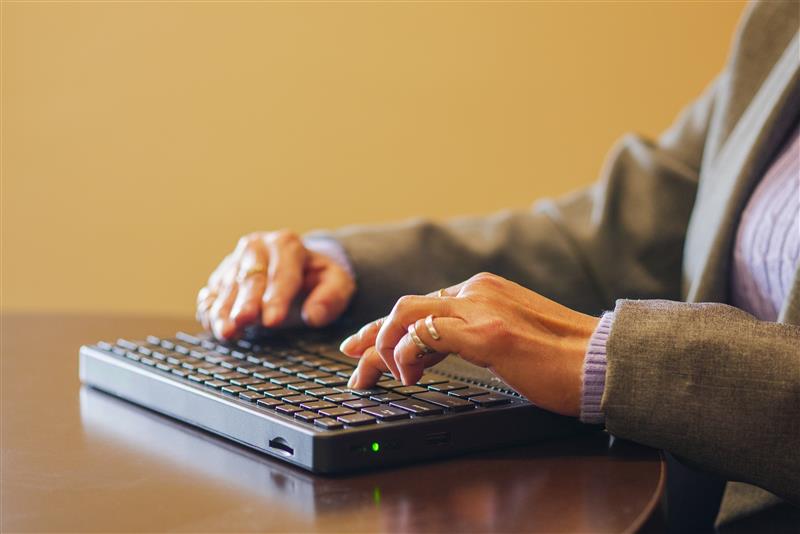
144 351
266 375
247 369
317 405
429 380
279 393
390 384
268 402
158 355
288 408
260 388
228 376
445 401
179 372
167 344
181 349
188 338
321 392
246 381
298 399
417 407
251 396
167 367
313 361
328 423
147 361
133 355
128 345
409 390
311 375
468 392
359 404
336 412
233 390
216 384
386 413
363 392
294 369
307 416
447 386
387 397
356 419
211 370
302 386
333 367
283 380
340 397
331 381
492 399
153 340
119 350
197 378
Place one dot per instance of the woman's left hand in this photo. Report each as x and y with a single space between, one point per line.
532 343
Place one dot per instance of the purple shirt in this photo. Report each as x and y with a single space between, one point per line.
764 263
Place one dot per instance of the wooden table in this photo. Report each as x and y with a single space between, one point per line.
75 459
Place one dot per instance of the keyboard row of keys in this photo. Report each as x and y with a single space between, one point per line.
302 385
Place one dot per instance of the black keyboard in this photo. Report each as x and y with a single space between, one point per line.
305 380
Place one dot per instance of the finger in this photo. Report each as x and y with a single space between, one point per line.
219 315
247 306
451 291
411 360
407 310
329 297
205 298
284 279
370 369
359 342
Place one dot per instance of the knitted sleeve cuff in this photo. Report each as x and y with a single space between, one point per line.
594 372
331 248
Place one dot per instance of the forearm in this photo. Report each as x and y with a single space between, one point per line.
712 385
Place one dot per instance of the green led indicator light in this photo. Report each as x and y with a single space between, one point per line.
376 446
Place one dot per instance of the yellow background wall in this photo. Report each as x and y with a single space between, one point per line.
140 140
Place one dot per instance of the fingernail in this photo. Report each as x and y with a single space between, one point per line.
315 314
219 326
345 344
353 379
269 316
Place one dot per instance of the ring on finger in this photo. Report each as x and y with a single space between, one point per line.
441 293
412 332
431 328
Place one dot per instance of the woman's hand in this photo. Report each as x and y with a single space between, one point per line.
534 344
258 281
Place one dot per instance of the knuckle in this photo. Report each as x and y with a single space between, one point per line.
284 237
494 330
403 303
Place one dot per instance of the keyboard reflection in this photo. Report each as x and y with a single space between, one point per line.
477 492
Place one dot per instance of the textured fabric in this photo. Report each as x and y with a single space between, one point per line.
711 384
330 248
594 372
659 224
767 249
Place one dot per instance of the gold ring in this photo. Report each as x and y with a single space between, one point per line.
253 270
432 329
412 332
441 293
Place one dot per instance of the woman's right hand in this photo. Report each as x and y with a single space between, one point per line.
259 280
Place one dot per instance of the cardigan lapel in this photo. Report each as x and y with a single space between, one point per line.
730 179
